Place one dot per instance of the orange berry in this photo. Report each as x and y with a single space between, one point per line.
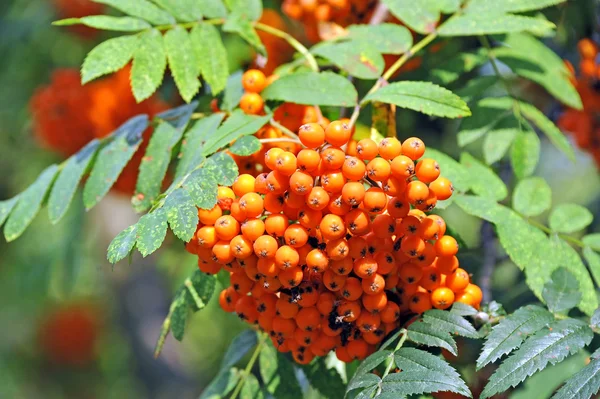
413 147
458 280
398 207
391 313
375 200
338 133
417 192
296 236
277 182
308 160
241 247
317 199
442 298
427 170
357 222
365 267
384 226
228 298
349 311
301 183
410 273
245 307
267 267
446 246
251 103
420 302
402 167
276 225
442 188
291 277
286 308
311 135
286 163
337 249
332 158
317 261
241 283
475 292
446 264
375 303
206 236
394 186
252 229
366 149
354 169
254 81
390 148
265 247
378 169
286 257
332 227
209 216
373 285
226 227
368 322
271 157
412 246
326 303
353 193
252 204
309 218
332 281
333 181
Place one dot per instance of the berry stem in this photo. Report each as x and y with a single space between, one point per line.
287 132
391 363
312 62
248 369
280 140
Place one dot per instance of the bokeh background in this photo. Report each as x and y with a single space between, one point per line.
73 326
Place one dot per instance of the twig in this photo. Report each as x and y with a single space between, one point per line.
287 132
280 140
380 14
489 260
390 364
312 62
249 366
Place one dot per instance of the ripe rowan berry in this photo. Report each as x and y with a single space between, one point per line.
446 246
291 277
366 149
354 169
378 169
417 192
254 81
308 160
375 200
228 299
243 184
317 199
301 183
413 147
442 298
252 204
338 133
368 322
348 311
317 261
365 267
311 135
241 247
251 103
265 247
442 188
373 284
420 302
276 225
390 313
390 148
352 290
332 281
427 170
375 303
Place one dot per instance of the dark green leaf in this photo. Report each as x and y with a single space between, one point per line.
151 232
510 5
462 309
245 146
149 63
178 117
183 62
525 153
457 173
212 56
109 56
385 38
68 180
364 381
483 208
181 214
278 373
251 388
591 240
510 333
419 382
312 88
371 362
532 196
569 218
113 158
233 92
6 207
223 168
426 334
420 16
450 322
191 148
122 244
595 319
29 203
561 293
550 345
484 181
325 379
240 345
153 167
200 288
451 69
213 8
422 97
202 188
179 317
237 23
415 360
488 24
142 9
222 384
487 113
237 125
583 385
357 57
497 142
593 260
476 87
183 10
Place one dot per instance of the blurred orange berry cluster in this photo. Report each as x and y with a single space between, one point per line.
584 124
67 115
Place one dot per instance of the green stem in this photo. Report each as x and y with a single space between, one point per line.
287 132
312 62
565 237
391 363
248 369
280 140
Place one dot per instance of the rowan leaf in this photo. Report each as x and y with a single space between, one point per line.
108 57
278 373
182 214
236 126
151 231
386 38
498 141
183 62
583 385
245 146
6 208
427 334
484 181
183 10
212 56
191 155
561 293
525 153
122 244
357 57
420 382
223 168
473 24
202 187
569 218
450 322
532 196
142 9
149 64
324 379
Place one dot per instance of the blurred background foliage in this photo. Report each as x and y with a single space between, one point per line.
75 327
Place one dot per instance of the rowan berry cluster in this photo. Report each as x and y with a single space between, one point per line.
341 12
326 249
583 124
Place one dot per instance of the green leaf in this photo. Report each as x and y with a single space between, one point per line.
371 362
484 181
312 88
212 56
191 148
591 240
510 5
113 158
202 286
251 388
233 91
462 309
457 173
202 188
278 373
525 153
385 38
451 69
29 203
419 382
325 379
121 24
512 330
476 87
151 232
533 60
450 322
223 168
570 218
249 9
497 142
6 207
149 64
142 9
364 381
487 113
153 167
357 57
183 10
553 133
183 62
415 360
595 319
222 384
483 208
108 57
561 293
551 345
122 244
532 196
473 24
583 385
245 146
213 8
236 126
421 16
427 334
239 347
593 260
68 180
422 97
182 214
237 23
178 316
